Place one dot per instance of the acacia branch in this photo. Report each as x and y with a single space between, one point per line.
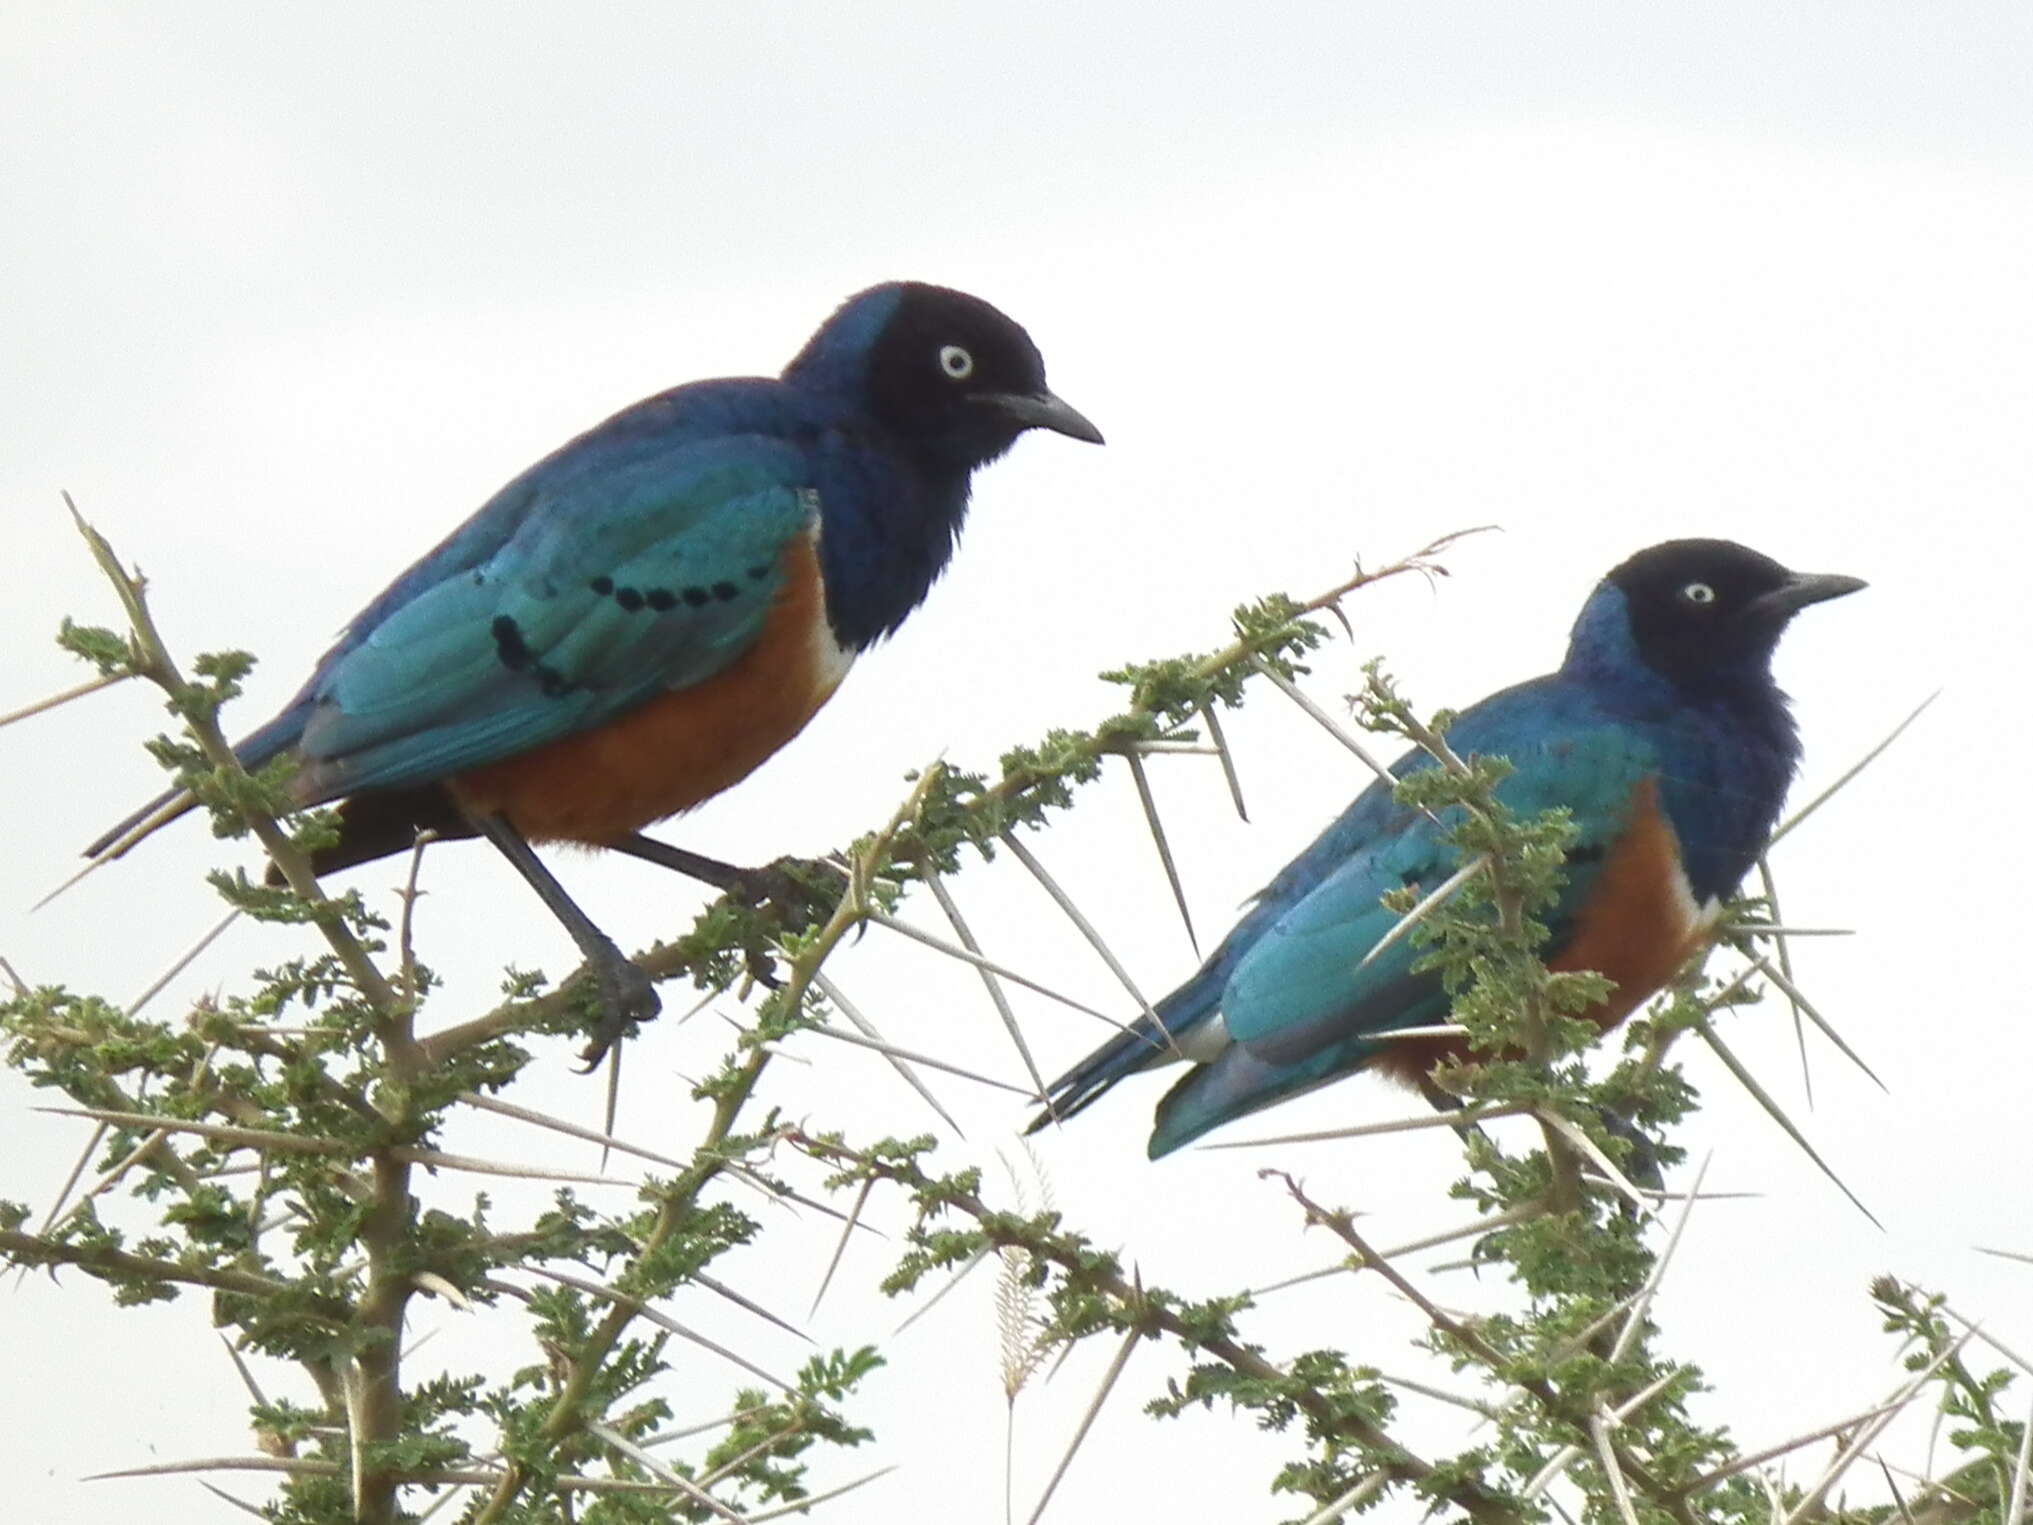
1138 1309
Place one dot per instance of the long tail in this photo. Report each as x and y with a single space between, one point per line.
145 822
269 741
1138 1046
142 824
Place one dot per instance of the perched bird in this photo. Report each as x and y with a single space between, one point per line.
1664 735
642 617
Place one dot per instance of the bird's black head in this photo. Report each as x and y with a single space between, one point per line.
1706 612
954 377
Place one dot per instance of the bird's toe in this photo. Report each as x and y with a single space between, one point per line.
627 998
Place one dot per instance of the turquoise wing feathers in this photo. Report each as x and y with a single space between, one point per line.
585 611
1301 1007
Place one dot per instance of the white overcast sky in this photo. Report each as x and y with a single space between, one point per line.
288 292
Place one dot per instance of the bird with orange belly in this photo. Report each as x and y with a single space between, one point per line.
639 620
1664 738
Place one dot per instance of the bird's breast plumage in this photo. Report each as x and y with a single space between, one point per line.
1638 924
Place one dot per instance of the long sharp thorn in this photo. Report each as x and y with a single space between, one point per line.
1643 1299
1801 1004
2020 1470
1345 1504
1438 1394
1431 903
883 919
1327 721
176 806
92 866
1339 1268
1447 1236
936 883
1776 1113
1855 768
697 1006
1777 930
833 993
782 1194
240 1504
1580 1140
246 1376
1227 759
612 1109
895 1055
184 960
1144 797
1737 1464
937 1297
54 700
1736 982
70 1185
1598 1429
1566 1456
1987 1337
449 1496
1868 1435
1397 1125
659 1318
610 1436
297 1465
1643 1396
607 1141
1087 1420
2005 1254
756 1308
1771 888
1898 1498
804 1505
1095 941
1556 1466
1065 1354
718 1421
840 1249
288 1143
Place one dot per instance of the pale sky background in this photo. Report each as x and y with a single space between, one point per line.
289 293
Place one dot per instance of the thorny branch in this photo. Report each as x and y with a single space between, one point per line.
332 1114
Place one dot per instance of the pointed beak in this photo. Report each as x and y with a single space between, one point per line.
1042 410
1804 588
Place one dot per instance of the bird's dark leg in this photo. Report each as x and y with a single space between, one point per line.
1447 1101
801 906
626 993
724 877
754 885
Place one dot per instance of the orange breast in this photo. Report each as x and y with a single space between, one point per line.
1641 923
1638 926
680 748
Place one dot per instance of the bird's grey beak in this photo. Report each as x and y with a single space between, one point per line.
1041 410
1804 588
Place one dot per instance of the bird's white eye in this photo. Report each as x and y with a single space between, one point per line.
1698 593
956 362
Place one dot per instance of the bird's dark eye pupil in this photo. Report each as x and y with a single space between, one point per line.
956 362
1698 593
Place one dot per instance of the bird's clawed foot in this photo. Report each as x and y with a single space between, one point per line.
627 998
803 891
789 896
